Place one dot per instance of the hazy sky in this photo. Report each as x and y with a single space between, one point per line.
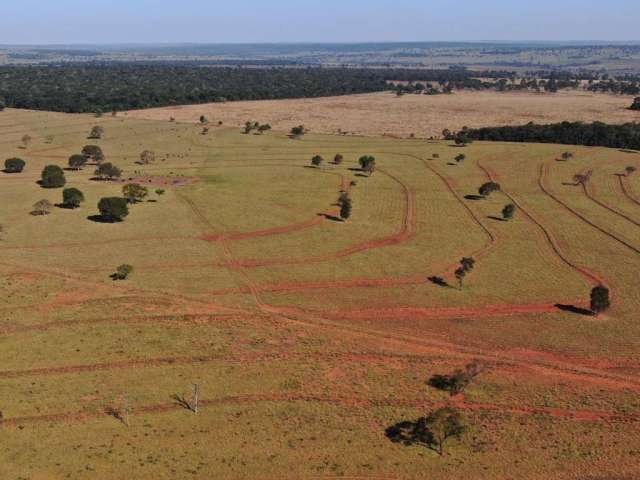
167 21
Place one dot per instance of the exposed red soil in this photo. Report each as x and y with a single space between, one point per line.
317 220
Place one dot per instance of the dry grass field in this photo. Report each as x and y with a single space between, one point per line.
309 337
422 115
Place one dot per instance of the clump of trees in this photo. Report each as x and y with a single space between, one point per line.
14 165
134 193
508 211
466 265
122 272
258 127
96 132
52 177
93 152
459 380
317 160
636 104
42 207
113 209
488 188
77 161
298 131
367 163
72 198
107 171
600 301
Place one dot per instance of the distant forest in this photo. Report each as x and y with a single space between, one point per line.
595 134
93 88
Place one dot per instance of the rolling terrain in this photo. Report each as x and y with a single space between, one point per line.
308 336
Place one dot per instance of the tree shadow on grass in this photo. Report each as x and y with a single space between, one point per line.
333 218
493 217
102 219
411 433
574 309
439 281
474 197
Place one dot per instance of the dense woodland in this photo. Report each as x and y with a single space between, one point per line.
571 133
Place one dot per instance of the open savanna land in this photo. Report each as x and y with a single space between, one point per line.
421 115
309 337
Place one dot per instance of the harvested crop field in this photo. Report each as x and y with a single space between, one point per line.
311 339
421 115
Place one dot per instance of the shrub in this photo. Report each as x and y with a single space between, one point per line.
42 207
52 177
122 272
14 165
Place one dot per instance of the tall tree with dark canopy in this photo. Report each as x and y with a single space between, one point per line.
52 177
113 209
636 104
600 301
508 211
445 423
77 161
93 152
72 198
108 171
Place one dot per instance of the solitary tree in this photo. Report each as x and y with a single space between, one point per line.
203 119
159 191
460 273
337 160
264 128
134 193
26 139
122 272
77 161
567 156
317 160
42 207
14 165
444 423
460 379
636 104
147 156
600 300
629 170
487 188
72 197
113 209
345 209
108 171
467 263
298 131
52 177
96 132
508 211
365 160
460 158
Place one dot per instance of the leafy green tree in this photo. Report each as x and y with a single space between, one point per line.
42 207
14 165
636 104
460 158
317 160
445 423
52 177
459 380
366 160
108 171
72 197
77 161
298 131
337 160
96 132
122 272
508 211
600 300
134 193
113 209
159 191
345 209
93 152
487 188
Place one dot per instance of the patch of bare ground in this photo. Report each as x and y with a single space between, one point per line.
422 115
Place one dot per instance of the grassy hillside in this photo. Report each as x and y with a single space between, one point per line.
308 337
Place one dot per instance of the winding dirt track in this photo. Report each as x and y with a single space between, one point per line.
541 177
626 192
590 196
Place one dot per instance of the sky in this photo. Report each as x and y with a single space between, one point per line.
258 21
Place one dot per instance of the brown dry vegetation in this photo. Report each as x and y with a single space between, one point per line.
422 115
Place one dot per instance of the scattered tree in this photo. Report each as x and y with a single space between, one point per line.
26 139
317 160
466 265
264 128
487 188
96 132
42 207
93 152
460 273
203 119
52 177
629 170
159 191
337 160
582 178
345 209
298 131
14 165
508 211
567 156
113 209
460 379
636 104
122 272
460 158
72 198
600 300
77 161
147 156
108 171
134 193
444 423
